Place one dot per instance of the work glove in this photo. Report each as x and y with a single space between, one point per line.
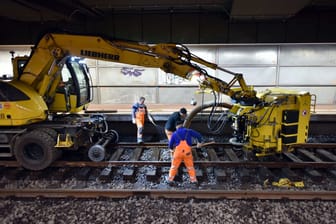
133 120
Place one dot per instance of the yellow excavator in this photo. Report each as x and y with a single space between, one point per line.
39 107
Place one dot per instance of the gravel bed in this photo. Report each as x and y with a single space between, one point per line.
147 210
233 182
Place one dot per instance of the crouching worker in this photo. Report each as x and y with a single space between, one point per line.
180 143
170 125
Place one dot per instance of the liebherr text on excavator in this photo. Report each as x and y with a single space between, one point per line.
39 107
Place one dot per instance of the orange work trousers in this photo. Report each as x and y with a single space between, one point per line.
140 122
182 153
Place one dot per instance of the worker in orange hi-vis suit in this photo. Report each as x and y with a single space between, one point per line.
139 112
181 140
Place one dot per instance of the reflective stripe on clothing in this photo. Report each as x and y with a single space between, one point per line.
138 114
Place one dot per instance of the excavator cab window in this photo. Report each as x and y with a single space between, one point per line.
67 83
83 83
76 81
19 64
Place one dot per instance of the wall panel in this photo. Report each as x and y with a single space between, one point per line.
306 67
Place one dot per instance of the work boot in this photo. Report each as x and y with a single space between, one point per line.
194 183
171 183
140 141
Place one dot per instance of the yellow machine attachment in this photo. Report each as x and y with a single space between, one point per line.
282 119
285 182
64 143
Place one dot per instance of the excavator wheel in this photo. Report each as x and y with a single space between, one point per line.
35 150
53 134
49 131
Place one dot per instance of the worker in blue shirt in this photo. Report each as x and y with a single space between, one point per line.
175 117
180 144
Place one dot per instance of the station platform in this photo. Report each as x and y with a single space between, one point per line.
164 109
119 116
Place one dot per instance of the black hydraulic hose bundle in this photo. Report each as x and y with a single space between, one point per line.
216 123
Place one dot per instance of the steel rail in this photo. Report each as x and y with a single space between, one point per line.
315 145
163 145
171 194
224 144
245 164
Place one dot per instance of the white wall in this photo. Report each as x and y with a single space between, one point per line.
310 67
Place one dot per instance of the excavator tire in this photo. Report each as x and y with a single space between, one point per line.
35 150
49 131
53 134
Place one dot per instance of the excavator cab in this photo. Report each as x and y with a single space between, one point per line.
74 91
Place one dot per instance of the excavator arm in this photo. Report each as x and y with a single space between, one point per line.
42 71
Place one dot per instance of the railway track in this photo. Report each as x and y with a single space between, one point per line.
171 194
223 172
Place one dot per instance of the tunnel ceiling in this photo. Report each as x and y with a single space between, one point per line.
72 10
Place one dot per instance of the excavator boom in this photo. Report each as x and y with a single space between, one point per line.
49 54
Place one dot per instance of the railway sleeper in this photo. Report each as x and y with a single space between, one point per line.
307 154
83 173
14 174
314 174
105 175
328 156
265 174
220 173
152 173
129 173
42 174
244 173
199 174
61 173
290 174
